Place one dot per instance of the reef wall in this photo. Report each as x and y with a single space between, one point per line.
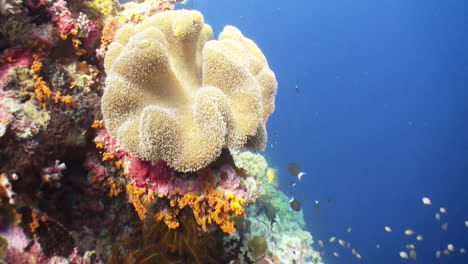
124 132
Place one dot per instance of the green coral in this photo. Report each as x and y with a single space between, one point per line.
254 164
102 8
3 248
28 117
16 29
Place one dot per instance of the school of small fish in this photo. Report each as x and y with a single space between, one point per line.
410 252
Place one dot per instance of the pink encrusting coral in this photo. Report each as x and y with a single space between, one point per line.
12 58
146 175
161 179
95 168
62 17
230 181
34 255
15 237
111 145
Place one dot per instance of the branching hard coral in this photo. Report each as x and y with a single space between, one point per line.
174 94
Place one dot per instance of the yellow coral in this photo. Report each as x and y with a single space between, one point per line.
106 156
68 100
36 67
98 124
114 189
104 8
173 93
34 225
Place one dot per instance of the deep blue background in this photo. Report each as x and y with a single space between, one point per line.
380 121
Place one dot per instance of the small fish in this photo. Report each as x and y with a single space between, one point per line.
377 246
348 245
320 243
419 238
297 89
336 254
353 251
294 169
409 232
438 253
412 254
403 255
451 247
466 223
349 230
295 205
358 256
300 175
292 184
443 210
184 4
388 229
332 239
317 205
446 252
444 226
462 250
437 216
410 246
426 201
341 242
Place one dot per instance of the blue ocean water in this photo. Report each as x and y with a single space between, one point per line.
380 119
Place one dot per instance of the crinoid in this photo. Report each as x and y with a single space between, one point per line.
154 242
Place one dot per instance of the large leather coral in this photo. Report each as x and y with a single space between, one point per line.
173 93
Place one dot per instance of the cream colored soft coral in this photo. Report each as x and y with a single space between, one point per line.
173 93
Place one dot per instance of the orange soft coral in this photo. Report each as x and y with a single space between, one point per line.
108 32
141 199
98 124
114 189
214 207
135 194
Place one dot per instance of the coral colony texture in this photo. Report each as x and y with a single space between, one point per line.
124 138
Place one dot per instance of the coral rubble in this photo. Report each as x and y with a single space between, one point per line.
148 177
